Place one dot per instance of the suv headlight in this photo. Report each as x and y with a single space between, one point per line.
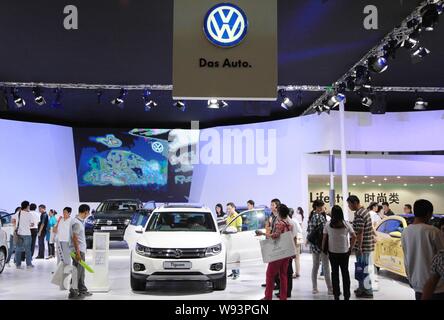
143 251
214 250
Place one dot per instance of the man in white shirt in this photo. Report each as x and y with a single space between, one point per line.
23 222
421 242
34 229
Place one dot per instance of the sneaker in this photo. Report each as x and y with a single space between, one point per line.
315 291
75 295
364 295
235 277
263 285
30 266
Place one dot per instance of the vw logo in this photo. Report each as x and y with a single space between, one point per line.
157 147
178 253
226 25
109 222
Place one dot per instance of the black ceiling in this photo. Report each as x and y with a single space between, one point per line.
130 42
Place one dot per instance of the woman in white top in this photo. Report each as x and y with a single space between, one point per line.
296 221
373 207
336 235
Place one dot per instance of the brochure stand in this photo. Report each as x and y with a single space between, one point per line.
100 278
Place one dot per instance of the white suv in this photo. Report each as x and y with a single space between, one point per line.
179 243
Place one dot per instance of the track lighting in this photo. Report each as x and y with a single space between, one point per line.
335 100
38 97
120 100
420 104
286 101
57 103
148 103
378 64
419 54
180 105
216 104
19 101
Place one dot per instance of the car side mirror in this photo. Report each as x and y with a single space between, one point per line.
230 230
395 234
139 229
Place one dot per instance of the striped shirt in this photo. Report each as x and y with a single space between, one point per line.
363 223
438 265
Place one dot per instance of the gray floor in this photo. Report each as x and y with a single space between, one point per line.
35 284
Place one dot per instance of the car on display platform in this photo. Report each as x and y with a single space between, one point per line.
4 238
389 254
112 216
179 243
189 254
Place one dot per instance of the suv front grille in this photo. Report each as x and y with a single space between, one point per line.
178 253
119 222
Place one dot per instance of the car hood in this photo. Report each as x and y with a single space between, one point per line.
181 240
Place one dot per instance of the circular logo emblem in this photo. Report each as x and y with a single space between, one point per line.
109 222
157 147
226 25
178 253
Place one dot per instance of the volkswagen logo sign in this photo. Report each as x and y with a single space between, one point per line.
225 25
178 253
109 222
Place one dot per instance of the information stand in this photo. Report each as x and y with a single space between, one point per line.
100 278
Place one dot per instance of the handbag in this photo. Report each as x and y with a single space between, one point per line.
315 236
16 238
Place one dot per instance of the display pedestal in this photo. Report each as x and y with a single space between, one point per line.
100 278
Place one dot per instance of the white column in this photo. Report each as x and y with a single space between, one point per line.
343 161
331 161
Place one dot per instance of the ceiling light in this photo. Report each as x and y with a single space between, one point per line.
419 54
38 98
378 64
431 185
180 105
363 182
379 184
385 179
398 177
432 177
365 177
57 102
373 181
120 100
367 101
354 184
19 101
322 108
420 104
336 100
147 102
410 43
286 101
405 184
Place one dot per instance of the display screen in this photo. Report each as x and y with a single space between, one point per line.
145 164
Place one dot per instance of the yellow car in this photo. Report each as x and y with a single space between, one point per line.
388 252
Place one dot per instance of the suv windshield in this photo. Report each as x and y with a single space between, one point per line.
182 221
120 205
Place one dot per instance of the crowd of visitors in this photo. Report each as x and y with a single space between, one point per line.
67 232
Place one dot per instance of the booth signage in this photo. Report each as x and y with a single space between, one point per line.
217 46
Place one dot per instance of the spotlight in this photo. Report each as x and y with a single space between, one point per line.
149 104
322 108
367 101
420 104
335 100
57 103
362 76
38 98
378 64
390 48
350 83
180 105
419 54
286 101
120 100
216 104
19 101
430 16
99 94
410 43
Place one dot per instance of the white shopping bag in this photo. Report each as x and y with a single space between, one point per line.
281 248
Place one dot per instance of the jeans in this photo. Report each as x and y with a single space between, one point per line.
11 249
317 257
366 284
340 261
78 276
25 246
277 267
